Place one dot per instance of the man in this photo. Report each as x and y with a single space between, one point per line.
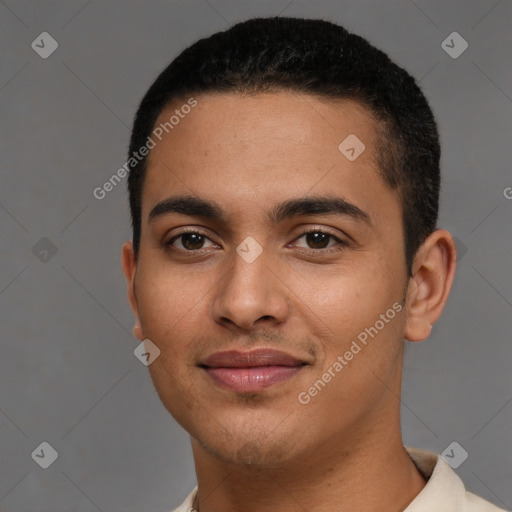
284 197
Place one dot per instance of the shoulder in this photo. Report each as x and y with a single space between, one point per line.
444 489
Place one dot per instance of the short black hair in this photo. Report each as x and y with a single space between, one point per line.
323 59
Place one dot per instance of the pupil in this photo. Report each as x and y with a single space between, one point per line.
195 240
318 238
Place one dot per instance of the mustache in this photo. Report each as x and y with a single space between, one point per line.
261 338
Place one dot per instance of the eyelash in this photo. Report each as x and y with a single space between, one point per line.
341 243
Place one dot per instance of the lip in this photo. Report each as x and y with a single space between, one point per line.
251 371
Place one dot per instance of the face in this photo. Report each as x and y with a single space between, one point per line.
275 296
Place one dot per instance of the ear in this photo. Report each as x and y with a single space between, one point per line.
129 265
432 278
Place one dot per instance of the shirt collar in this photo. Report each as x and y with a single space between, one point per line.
444 489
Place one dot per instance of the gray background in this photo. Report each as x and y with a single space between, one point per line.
68 375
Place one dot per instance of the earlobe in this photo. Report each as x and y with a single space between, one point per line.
129 266
430 284
137 330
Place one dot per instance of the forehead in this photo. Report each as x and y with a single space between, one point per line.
230 121
263 147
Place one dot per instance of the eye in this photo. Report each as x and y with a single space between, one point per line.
190 241
316 239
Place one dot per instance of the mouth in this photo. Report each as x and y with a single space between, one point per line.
246 372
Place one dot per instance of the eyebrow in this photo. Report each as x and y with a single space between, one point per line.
317 205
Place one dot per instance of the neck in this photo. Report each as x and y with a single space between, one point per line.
369 470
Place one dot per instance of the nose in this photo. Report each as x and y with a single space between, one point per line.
250 295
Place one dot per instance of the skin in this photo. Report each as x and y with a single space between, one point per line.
343 450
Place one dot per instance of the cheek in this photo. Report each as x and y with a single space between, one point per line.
347 299
166 297
361 350
170 307
356 306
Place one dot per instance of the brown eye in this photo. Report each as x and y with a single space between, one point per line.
318 240
189 241
192 241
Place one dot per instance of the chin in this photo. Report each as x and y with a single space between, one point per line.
246 443
249 453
